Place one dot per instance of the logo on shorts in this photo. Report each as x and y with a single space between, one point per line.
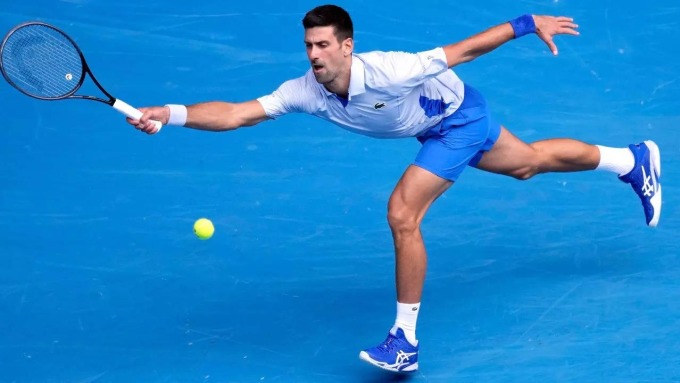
379 105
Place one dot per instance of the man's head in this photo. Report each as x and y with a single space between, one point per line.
329 39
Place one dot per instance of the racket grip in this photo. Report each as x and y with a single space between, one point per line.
133 112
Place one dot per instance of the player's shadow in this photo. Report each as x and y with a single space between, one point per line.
374 375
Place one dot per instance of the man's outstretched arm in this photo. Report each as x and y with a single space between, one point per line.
212 116
544 26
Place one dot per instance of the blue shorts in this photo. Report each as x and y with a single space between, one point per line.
460 139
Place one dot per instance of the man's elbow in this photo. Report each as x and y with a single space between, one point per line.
229 124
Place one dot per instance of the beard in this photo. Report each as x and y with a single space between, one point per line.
324 77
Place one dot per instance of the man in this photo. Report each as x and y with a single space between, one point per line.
397 94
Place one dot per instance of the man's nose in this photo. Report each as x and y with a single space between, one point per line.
313 52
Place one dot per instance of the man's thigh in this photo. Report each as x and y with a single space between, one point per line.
507 156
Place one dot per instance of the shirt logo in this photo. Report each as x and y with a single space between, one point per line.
379 105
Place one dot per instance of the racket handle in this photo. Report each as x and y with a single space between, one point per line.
133 112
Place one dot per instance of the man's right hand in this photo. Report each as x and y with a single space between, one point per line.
144 124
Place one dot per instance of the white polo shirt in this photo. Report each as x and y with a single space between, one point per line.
391 94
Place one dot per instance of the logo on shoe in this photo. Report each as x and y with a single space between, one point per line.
403 359
647 186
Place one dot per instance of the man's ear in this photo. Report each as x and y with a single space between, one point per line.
347 46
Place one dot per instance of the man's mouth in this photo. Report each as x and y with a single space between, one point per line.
317 67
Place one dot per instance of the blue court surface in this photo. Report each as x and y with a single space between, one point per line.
556 279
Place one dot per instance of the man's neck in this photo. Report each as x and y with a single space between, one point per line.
340 85
341 88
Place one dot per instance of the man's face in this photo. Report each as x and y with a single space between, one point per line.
325 53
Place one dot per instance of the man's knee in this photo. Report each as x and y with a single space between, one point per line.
532 166
524 173
401 218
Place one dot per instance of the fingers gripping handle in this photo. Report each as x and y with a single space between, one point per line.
133 112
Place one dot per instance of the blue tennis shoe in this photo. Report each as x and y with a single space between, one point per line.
645 179
394 354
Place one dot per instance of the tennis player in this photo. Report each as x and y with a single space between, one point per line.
398 94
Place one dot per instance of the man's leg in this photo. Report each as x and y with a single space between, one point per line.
639 165
413 195
513 157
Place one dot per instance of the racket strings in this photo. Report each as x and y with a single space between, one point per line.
42 62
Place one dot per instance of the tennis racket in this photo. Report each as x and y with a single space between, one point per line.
43 62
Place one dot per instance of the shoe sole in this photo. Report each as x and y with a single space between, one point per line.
655 159
364 356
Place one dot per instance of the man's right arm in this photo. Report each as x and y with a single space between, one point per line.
293 96
214 116
220 116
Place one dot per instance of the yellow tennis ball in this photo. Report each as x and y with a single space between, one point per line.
203 228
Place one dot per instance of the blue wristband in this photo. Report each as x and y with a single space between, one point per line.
523 25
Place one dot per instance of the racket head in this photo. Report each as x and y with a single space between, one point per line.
42 61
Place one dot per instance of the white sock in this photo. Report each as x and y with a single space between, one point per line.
617 160
407 316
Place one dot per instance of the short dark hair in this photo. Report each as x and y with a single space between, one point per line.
330 15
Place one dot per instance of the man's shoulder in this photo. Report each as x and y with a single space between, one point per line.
380 65
385 60
373 57
381 57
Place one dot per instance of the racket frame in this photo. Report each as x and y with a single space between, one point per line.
117 104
